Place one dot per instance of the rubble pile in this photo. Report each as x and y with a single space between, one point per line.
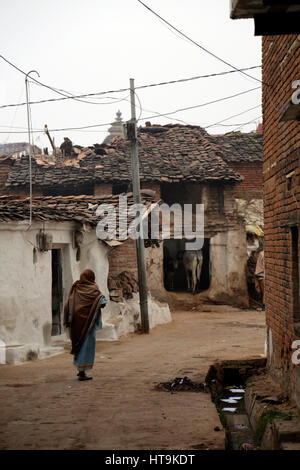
122 286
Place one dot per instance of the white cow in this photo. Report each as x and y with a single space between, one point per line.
192 262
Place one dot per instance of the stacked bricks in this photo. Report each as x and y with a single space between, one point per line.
123 258
281 149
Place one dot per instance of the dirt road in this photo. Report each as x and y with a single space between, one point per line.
44 406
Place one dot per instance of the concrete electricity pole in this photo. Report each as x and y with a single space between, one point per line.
140 248
29 142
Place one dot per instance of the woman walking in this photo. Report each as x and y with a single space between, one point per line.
82 314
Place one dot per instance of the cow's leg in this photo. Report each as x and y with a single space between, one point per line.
199 269
187 275
194 280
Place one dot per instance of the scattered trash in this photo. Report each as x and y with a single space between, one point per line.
232 410
237 390
229 400
182 383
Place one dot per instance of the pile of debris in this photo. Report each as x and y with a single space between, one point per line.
122 286
182 384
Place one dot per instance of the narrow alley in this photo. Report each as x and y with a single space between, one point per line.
46 407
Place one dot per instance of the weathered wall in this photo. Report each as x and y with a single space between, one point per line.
125 317
281 149
25 285
228 268
123 258
154 269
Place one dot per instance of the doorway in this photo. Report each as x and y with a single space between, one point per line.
57 291
174 272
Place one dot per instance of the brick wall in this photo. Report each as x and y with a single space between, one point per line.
123 258
281 149
252 186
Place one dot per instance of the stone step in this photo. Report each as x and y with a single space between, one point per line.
50 351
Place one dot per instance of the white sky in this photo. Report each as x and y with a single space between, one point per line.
97 45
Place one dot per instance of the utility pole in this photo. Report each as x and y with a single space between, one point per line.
140 248
29 142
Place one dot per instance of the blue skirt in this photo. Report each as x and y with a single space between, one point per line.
86 356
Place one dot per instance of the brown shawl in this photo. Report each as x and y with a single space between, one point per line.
81 308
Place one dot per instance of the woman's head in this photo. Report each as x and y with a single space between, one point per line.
87 276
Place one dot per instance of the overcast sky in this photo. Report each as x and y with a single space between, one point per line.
92 46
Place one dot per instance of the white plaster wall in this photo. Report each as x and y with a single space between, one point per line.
126 317
228 258
25 286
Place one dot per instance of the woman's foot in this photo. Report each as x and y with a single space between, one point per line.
81 376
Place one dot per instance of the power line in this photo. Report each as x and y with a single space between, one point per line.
239 124
40 83
65 97
245 123
197 77
233 116
196 43
203 104
149 117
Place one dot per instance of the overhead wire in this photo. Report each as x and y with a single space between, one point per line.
245 123
56 90
203 104
196 43
150 117
97 94
233 116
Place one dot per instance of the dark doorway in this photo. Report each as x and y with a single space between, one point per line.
57 292
174 272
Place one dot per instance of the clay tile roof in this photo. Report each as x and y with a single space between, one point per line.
166 153
80 209
238 147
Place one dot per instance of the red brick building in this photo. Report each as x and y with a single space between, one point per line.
280 26
243 153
